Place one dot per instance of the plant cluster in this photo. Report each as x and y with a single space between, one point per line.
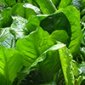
42 42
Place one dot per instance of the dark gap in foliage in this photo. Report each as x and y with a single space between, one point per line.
83 82
57 22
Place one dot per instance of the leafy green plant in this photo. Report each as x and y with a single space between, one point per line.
42 42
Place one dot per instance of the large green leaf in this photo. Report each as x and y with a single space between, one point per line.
50 65
73 16
55 24
33 46
56 21
36 47
66 63
47 66
10 65
47 7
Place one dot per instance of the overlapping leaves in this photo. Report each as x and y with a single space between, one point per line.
41 49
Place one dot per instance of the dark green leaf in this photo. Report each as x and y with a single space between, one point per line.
57 21
10 2
5 18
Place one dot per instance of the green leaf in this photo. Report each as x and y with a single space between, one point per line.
30 6
30 10
81 77
73 16
47 7
18 10
56 36
66 63
56 2
51 64
56 21
10 2
75 68
25 10
34 22
82 3
33 46
83 12
37 47
80 80
32 2
54 24
5 18
51 83
10 65
65 3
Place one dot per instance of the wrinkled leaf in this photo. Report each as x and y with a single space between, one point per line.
66 63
